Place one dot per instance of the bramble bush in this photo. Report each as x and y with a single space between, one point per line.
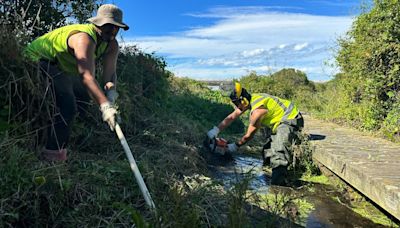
163 126
369 58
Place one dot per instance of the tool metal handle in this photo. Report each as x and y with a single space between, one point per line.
134 167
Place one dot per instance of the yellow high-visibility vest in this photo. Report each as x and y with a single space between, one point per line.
279 109
53 46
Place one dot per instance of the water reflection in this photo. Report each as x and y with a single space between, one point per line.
327 212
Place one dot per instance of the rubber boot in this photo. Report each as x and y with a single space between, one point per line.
279 175
53 155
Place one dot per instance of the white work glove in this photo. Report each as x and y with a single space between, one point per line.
109 113
112 95
232 147
213 132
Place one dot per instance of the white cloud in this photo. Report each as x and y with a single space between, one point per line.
229 12
251 53
299 47
209 73
282 46
244 38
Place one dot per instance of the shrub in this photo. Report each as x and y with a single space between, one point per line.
369 58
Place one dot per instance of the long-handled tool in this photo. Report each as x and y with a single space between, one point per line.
134 167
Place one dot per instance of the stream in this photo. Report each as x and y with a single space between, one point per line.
326 211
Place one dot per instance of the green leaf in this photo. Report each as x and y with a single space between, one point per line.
39 180
390 94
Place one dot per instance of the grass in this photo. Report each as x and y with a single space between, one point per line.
97 188
286 205
367 210
164 125
319 179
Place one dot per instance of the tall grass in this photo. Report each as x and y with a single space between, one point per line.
164 120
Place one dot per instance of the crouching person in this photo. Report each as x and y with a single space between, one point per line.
266 111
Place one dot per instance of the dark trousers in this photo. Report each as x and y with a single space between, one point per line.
70 96
278 149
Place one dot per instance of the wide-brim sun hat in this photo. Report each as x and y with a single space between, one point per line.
109 14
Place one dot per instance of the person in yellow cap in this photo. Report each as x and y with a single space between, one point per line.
67 57
279 115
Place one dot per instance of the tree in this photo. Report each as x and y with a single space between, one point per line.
369 58
31 18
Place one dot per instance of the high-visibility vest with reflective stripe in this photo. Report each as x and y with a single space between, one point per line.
279 109
53 46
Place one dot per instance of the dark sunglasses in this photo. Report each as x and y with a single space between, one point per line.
110 28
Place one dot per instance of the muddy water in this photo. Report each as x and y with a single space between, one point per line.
327 212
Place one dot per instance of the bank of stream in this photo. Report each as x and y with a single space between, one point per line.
304 203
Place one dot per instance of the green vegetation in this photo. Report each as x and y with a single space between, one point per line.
287 204
365 94
287 83
206 107
320 179
367 210
369 59
165 119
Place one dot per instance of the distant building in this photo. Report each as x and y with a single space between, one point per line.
219 85
214 87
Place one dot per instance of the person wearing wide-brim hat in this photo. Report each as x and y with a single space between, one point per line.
67 57
109 14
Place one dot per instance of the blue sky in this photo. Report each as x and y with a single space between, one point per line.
215 39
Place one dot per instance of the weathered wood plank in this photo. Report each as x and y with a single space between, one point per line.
369 164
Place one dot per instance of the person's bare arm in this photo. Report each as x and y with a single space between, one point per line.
84 47
110 65
229 119
254 125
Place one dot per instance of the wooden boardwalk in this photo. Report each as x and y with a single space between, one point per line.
369 164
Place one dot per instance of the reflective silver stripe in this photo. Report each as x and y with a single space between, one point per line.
287 110
287 113
280 103
256 101
276 100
